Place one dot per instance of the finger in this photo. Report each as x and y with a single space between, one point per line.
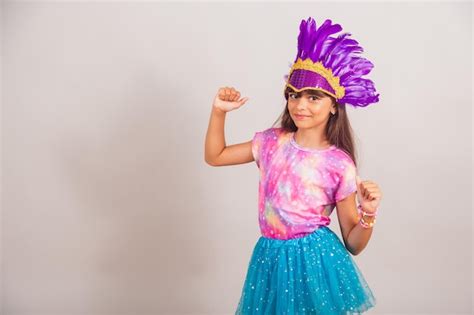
227 94
236 96
232 96
242 101
363 191
360 187
369 184
374 192
366 193
222 96
375 195
372 189
221 93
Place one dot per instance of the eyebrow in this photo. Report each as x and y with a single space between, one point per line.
309 93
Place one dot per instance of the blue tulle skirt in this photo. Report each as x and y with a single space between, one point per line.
313 274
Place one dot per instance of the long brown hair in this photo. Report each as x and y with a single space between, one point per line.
338 128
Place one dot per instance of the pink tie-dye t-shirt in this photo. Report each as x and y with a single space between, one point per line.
298 186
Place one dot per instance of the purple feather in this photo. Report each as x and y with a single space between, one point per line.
340 54
321 36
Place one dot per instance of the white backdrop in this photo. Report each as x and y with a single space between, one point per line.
108 206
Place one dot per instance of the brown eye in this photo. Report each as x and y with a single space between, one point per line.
291 94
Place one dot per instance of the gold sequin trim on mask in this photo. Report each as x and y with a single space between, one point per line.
319 68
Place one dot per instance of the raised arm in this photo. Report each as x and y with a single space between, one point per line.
216 152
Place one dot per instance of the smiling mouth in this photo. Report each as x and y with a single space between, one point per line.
300 116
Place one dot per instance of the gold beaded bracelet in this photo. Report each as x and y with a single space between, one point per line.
365 224
362 213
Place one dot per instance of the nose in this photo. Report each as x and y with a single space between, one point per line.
301 104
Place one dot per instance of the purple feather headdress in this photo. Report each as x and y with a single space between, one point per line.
331 64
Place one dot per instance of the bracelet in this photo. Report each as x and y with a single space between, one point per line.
369 214
365 224
362 213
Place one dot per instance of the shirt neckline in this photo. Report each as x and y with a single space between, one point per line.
296 145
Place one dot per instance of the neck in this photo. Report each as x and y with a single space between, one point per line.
312 138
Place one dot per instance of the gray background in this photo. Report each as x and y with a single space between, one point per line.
108 206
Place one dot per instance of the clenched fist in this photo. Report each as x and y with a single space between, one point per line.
228 99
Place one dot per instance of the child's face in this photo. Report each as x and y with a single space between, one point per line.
308 110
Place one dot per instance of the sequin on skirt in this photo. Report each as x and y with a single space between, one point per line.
313 274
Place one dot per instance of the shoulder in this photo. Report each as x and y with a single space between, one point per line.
271 133
341 155
342 161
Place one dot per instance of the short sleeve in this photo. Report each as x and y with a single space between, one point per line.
257 145
347 179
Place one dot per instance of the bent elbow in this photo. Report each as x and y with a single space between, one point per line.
208 162
353 251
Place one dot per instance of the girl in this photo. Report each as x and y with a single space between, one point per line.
307 167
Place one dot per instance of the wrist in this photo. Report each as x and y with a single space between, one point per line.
361 210
217 110
366 219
